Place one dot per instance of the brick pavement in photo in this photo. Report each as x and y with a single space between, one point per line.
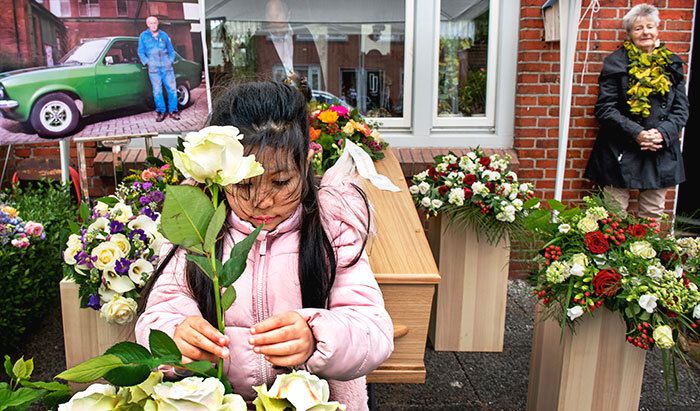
140 120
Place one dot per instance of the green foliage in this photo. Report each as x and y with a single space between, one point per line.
186 215
20 392
30 277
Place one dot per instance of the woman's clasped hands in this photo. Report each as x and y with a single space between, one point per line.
650 140
285 340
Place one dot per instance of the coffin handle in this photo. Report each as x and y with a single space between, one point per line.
400 331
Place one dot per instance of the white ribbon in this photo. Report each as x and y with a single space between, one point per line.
355 158
593 7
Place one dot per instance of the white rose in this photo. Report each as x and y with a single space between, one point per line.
121 212
465 162
648 302
479 188
73 239
587 225
144 223
577 270
524 188
215 154
414 189
655 272
233 402
472 155
302 389
122 242
191 393
696 312
117 283
70 253
421 176
597 213
425 202
97 397
436 203
101 208
643 249
564 228
119 310
106 255
512 176
423 187
441 168
139 271
580 259
518 204
348 129
663 336
100 224
574 312
449 159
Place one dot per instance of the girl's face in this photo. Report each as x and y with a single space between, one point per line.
270 198
644 34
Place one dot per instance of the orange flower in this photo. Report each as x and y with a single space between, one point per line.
314 134
328 116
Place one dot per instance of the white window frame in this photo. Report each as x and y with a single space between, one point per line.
496 129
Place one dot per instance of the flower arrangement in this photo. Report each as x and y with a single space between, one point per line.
476 190
594 257
15 232
330 125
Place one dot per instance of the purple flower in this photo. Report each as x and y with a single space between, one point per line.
149 213
147 185
116 227
144 200
138 233
94 302
157 196
122 266
136 185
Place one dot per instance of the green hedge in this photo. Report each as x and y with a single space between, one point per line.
29 278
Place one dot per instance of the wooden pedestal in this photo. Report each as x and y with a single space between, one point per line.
85 334
470 310
595 369
406 272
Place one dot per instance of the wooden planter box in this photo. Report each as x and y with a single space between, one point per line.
595 369
406 272
85 334
470 308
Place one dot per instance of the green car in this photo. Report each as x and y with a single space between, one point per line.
99 75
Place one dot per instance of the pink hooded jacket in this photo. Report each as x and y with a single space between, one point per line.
354 335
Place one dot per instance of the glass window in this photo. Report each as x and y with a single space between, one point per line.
89 8
463 58
60 8
354 54
122 8
86 53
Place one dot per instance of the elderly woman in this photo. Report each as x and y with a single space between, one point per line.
641 107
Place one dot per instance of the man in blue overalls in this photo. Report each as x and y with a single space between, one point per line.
156 51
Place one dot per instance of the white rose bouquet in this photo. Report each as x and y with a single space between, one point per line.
476 190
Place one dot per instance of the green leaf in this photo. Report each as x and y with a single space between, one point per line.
130 352
49 386
203 368
228 298
234 267
54 398
110 201
531 202
186 215
204 263
91 369
23 369
162 345
128 375
8 368
166 153
84 212
74 227
21 398
228 388
217 221
556 205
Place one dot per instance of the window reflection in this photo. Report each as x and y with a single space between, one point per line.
352 51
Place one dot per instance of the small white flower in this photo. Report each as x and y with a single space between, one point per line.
564 228
144 223
577 270
441 168
423 187
512 176
574 312
587 225
139 271
480 188
597 213
580 259
449 159
421 176
97 397
437 203
425 202
472 155
101 208
693 287
696 312
414 189
655 272
679 271
524 188
648 302
100 224
518 204
456 196
120 284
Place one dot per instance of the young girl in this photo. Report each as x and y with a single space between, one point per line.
308 297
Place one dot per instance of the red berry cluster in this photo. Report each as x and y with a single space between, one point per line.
552 253
642 338
612 231
545 295
586 301
485 208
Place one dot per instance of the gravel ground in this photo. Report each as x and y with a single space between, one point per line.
455 381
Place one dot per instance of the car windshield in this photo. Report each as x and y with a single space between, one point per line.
85 53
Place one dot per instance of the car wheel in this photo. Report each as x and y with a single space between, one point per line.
184 98
54 115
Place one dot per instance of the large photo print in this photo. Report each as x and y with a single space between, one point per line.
100 68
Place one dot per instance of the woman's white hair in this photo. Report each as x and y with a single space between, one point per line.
640 11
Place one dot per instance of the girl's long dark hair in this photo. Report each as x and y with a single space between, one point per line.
273 116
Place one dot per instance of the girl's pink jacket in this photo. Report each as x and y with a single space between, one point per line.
354 335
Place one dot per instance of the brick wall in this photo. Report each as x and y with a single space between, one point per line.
537 100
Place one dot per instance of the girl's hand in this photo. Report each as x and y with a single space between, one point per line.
199 340
285 339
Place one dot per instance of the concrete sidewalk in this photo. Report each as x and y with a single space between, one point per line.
455 381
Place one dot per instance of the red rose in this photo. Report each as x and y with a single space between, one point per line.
442 190
637 230
596 242
485 161
452 166
491 186
668 257
606 282
468 193
469 179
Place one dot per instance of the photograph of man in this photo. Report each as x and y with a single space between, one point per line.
156 51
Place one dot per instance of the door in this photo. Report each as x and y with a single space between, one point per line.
122 81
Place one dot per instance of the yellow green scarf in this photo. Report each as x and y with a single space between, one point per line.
648 76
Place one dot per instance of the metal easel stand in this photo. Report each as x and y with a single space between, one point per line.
117 143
